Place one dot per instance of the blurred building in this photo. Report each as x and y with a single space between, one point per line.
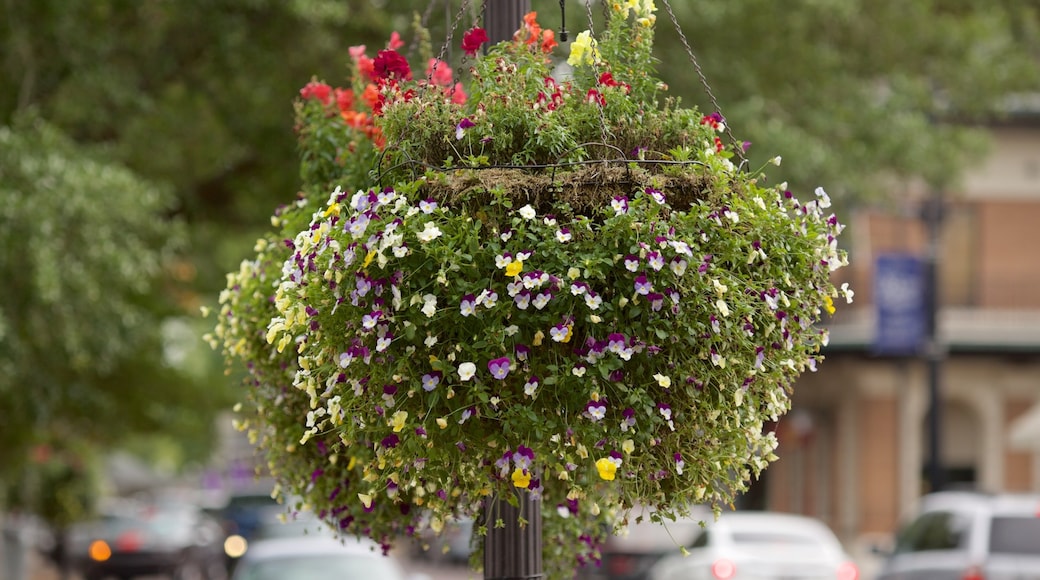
854 449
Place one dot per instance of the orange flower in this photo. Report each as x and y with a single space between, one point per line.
548 41
371 96
534 31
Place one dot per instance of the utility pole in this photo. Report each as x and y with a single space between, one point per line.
935 351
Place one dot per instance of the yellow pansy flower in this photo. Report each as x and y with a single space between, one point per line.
606 468
398 420
514 268
828 305
521 478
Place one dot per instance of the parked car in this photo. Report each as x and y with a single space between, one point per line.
967 536
133 539
759 545
317 557
631 555
243 514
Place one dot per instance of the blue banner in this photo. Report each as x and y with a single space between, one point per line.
902 305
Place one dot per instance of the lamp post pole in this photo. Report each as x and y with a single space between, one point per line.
935 350
514 550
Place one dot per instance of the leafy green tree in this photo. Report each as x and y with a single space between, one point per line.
854 91
87 252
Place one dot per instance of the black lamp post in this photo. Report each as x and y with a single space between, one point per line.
932 215
514 550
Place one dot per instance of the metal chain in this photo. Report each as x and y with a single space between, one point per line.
595 65
737 146
449 36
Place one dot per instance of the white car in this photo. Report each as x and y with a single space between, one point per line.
970 536
761 546
317 557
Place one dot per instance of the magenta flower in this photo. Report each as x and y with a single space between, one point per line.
657 194
522 350
472 39
596 410
499 367
656 301
523 457
460 129
642 285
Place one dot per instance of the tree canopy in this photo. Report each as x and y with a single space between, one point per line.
149 112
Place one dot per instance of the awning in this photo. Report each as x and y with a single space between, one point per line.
1024 434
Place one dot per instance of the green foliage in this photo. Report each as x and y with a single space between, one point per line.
603 335
860 91
86 248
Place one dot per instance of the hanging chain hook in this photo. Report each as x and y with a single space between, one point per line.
563 21
604 132
704 79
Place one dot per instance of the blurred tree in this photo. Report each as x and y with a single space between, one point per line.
176 114
855 91
88 252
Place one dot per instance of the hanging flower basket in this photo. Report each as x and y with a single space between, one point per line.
563 285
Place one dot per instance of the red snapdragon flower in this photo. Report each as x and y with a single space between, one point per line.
472 40
391 66
364 62
395 41
607 79
344 99
594 97
318 91
439 72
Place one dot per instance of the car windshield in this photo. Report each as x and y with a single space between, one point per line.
342 567
774 539
1015 535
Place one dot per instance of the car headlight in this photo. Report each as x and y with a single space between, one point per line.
235 546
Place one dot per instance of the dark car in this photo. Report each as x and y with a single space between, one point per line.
246 513
133 539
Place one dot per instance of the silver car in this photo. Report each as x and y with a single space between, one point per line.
761 546
318 556
968 536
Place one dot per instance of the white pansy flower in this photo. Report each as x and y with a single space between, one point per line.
430 232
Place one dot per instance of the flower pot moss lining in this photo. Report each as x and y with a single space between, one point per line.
584 190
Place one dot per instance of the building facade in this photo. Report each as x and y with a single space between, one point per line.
855 448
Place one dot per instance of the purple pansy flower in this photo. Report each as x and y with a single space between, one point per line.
431 380
499 367
460 129
643 285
